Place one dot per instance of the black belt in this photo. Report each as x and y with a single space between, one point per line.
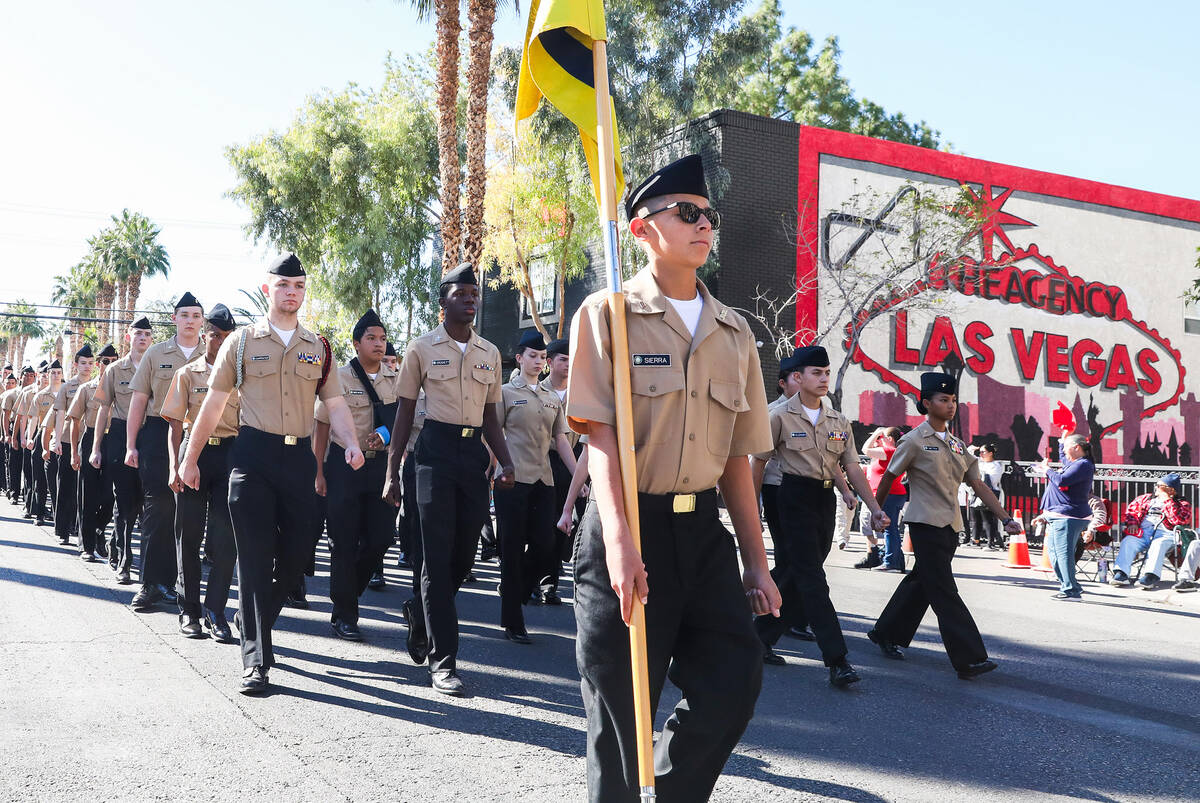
700 502
215 441
286 440
455 430
809 481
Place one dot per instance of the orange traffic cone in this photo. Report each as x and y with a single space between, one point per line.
1045 564
1018 548
906 544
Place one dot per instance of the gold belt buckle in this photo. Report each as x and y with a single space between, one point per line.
214 441
828 484
290 440
683 503
369 454
468 432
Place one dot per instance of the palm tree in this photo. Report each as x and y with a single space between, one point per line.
77 292
21 327
139 255
481 14
100 258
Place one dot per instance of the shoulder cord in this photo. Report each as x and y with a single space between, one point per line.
241 356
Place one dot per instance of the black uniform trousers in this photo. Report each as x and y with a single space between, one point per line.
986 527
40 485
807 519
158 508
930 584
698 634
410 517
563 541
127 490
50 466
208 504
28 481
95 499
272 504
770 500
362 527
66 508
452 497
14 471
525 528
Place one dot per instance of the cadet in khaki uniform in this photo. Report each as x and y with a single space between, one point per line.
66 514
95 490
814 445
210 502
113 395
699 409
11 482
146 450
24 411
277 366
937 463
534 422
460 374
558 361
361 525
45 463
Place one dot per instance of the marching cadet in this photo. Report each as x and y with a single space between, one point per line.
16 449
45 460
95 489
814 445
699 409
361 525
113 395
66 513
277 366
460 374
146 450
24 411
937 463
210 502
10 389
558 357
36 407
534 421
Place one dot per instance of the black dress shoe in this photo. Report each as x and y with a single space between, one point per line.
551 597
772 658
802 633
889 649
487 554
101 550
87 557
215 623
347 630
297 599
40 522
168 594
842 674
517 636
975 670
376 582
146 598
447 682
416 642
190 626
254 680
27 516
470 578
124 579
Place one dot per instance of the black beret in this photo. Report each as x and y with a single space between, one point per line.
188 300
934 382
391 350
221 317
560 346
532 339
141 323
368 320
86 351
463 274
53 365
684 175
287 265
810 355
109 351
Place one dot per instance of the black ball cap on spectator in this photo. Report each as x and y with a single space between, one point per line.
287 265
532 339
368 320
53 365
684 175
463 274
141 323
188 300
560 346
109 351
391 350
1172 480
86 351
221 317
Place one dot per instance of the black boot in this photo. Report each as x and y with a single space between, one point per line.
873 559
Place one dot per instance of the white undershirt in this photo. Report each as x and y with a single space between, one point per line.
284 334
812 414
562 394
373 376
461 346
941 434
689 311
187 352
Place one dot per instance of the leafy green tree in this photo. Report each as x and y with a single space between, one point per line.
348 188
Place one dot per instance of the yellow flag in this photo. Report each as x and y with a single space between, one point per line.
556 64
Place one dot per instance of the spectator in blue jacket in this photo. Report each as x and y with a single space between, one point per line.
1066 510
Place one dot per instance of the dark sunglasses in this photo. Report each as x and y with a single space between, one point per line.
689 213
107 360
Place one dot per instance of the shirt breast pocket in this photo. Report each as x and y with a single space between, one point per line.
800 443
480 386
259 378
727 401
308 371
162 376
654 392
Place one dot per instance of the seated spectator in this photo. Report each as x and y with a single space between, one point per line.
1156 515
1187 571
1092 533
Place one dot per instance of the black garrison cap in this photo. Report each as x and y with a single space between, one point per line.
532 339
53 365
463 274
287 265
86 351
221 317
560 346
684 175
109 351
368 320
141 323
188 300
391 350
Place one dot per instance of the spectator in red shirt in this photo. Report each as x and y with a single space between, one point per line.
880 446
1150 522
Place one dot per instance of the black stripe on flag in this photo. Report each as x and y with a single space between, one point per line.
570 54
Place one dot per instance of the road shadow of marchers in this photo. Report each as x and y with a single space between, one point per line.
375 680
755 769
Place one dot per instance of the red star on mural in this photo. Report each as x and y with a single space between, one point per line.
991 202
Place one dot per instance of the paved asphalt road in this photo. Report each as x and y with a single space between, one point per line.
1096 701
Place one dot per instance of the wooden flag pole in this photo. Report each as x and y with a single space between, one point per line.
643 716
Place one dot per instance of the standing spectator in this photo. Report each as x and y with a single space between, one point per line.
880 446
1187 570
1066 510
984 524
1156 515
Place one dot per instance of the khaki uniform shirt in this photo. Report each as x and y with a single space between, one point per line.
156 371
457 384
572 435
43 402
24 398
387 386
818 452
697 400
419 414
66 393
532 417
773 472
188 390
279 382
935 470
116 389
85 404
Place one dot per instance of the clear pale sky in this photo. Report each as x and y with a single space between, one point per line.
130 104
